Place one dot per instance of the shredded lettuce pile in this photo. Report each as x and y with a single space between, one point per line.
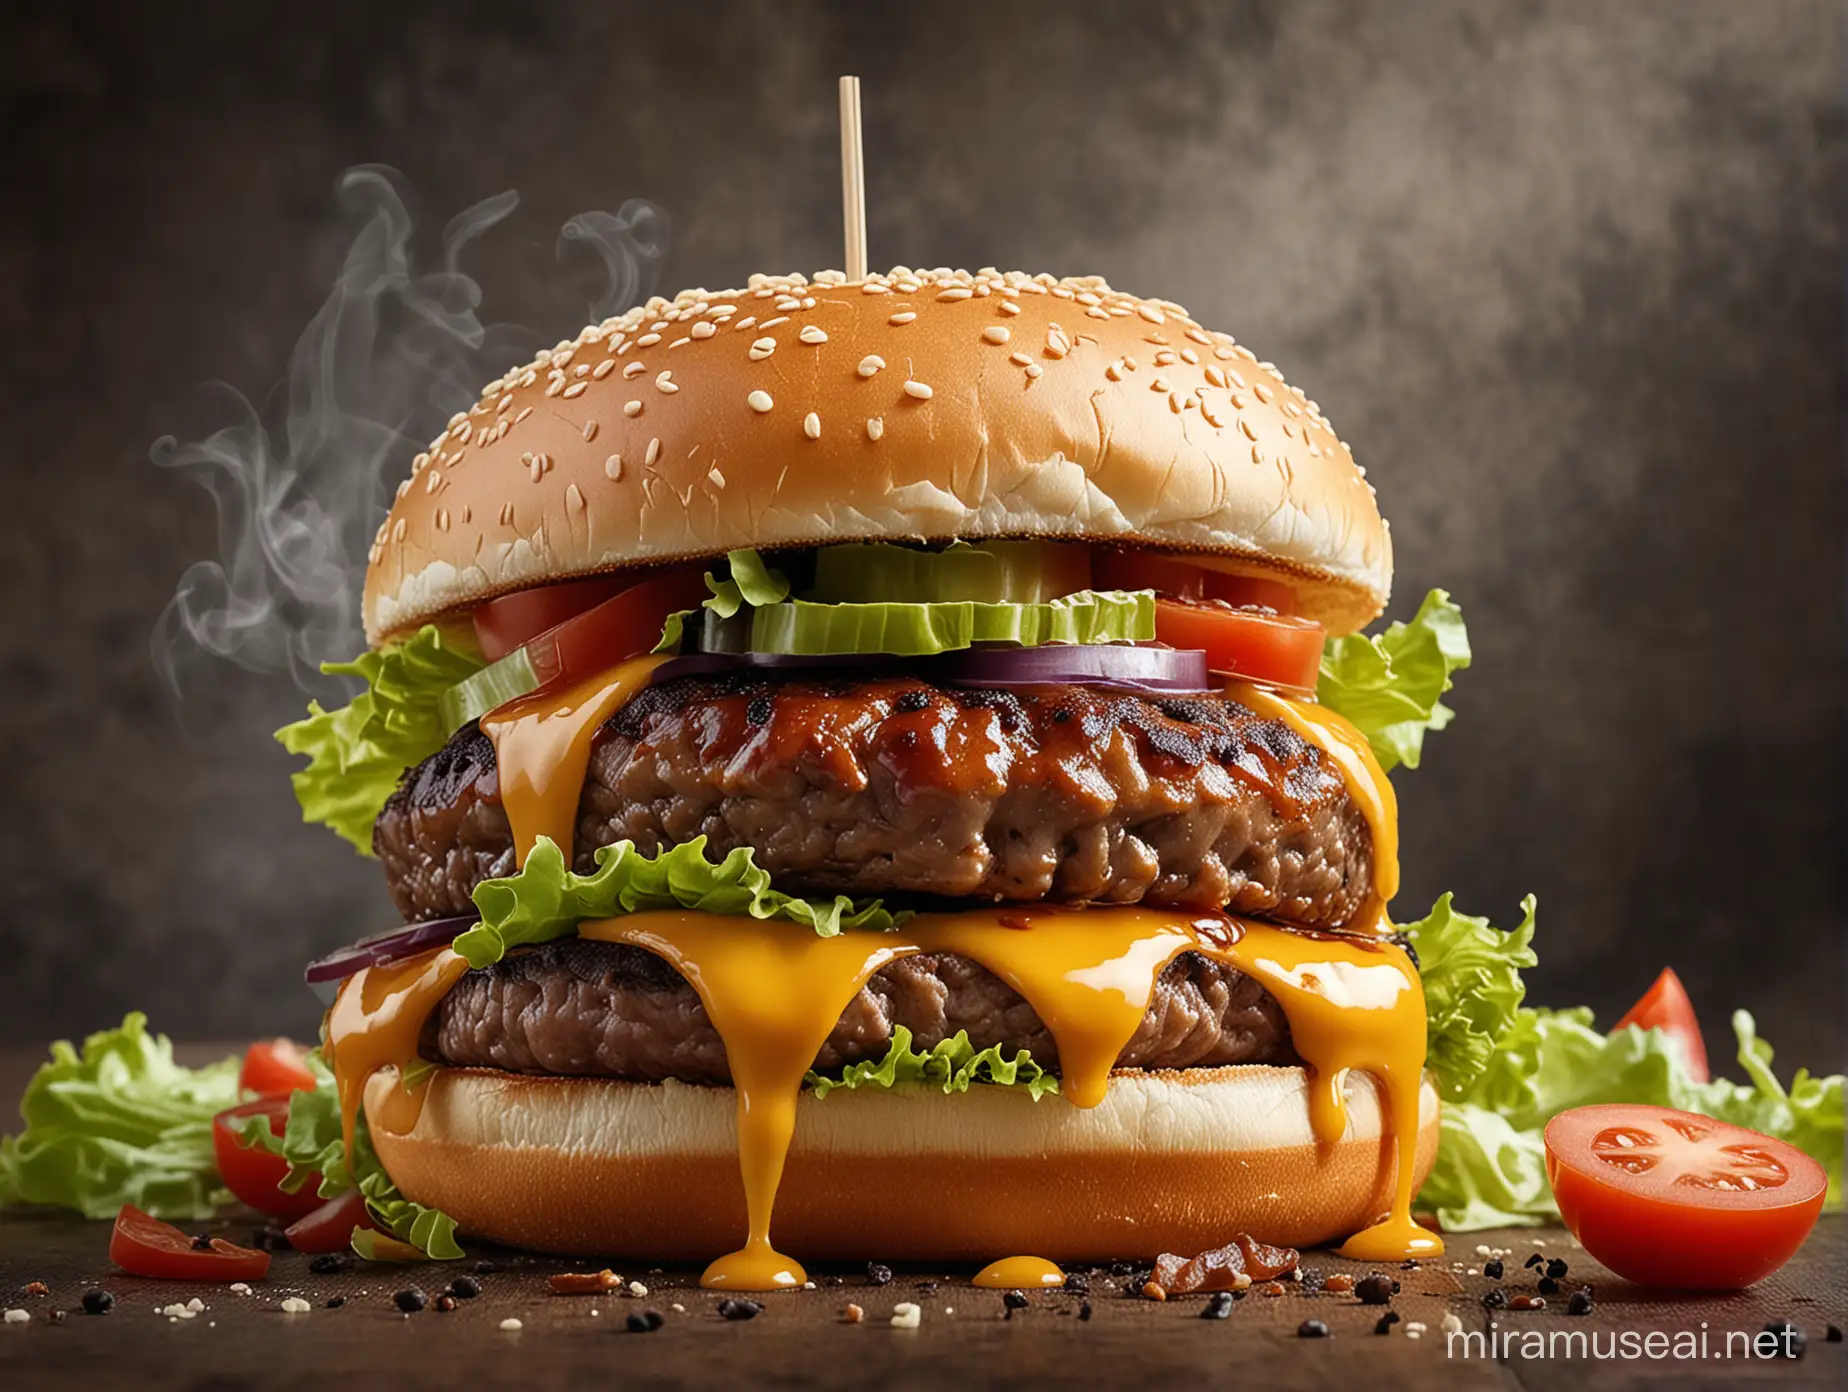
548 900
951 1065
357 753
119 1123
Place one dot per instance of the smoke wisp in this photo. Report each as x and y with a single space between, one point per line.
390 356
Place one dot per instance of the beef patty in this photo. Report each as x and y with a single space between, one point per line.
894 786
600 1009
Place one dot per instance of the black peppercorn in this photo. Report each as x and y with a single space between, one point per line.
465 1288
331 1263
202 1243
646 1322
1580 1303
739 1309
1219 1307
1492 1268
878 1274
334 1302
1496 1299
98 1302
410 1300
1375 1289
1312 1329
1548 1286
1386 1322
1555 1269
1084 1312
1014 1300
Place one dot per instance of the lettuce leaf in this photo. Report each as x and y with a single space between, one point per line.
1472 986
311 1142
1491 1161
748 581
547 900
1389 686
952 1064
357 753
119 1123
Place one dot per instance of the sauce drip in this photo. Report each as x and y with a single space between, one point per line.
376 1022
1366 783
542 750
1019 1273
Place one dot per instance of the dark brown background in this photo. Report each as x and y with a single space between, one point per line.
1567 275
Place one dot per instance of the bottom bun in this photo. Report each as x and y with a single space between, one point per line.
1169 1162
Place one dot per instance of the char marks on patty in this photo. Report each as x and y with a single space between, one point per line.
894 786
598 1009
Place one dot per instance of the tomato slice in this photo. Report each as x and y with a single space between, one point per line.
252 1173
1182 579
592 619
275 1068
1665 1006
1272 649
329 1228
144 1246
1675 1199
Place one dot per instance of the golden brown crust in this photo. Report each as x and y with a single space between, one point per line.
919 405
1170 1162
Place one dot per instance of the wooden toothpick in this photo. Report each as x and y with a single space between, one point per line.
853 180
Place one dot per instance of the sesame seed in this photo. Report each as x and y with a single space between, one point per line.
1152 314
632 409
398 530
714 477
1009 307
510 1325
575 389
811 334
1159 384
574 500
581 370
1164 358
634 370
1264 393
870 364
612 467
590 431
1251 431
918 390
665 382
654 451
525 411
772 323
1018 358
680 342
811 426
1114 372
604 369
996 333
705 329
1215 376
648 340
442 519
957 292
759 401
1191 358
762 349
433 480
1034 370
904 317
875 427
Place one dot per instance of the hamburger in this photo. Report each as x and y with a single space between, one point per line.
847 759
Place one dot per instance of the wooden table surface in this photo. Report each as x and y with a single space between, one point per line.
801 1338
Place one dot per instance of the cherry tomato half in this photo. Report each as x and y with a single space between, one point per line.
1271 649
602 620
1177 578
252 1173
1675 1199
330 1227
275 1068
144 1246
1665 1006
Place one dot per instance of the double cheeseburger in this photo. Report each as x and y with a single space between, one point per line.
872 800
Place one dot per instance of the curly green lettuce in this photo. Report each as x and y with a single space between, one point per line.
1390 685
357 753
1472 986
952 1065
119 1123
548 900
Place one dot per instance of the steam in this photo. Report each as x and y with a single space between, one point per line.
300 490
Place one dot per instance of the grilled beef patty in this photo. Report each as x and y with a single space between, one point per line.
611 1010
894 786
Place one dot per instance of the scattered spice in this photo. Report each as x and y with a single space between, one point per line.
17 1316
37 1288
1077 1283
739 1309
1496 1299
1386 1322
295 1305
1152 1290
510 1325
1219 1306
445 1302
1451 1323
334 1302
410 1300
202 1242
1014 1300
54 1317
905 1315
331 1264
1492 1268
878 1274
1375 1289
1084 1317
1409 1264
1535 1260
1580 1302
1555 1269
928 1287
1528 1302
853 1314
465 1288
485 1268
1312 1329
1791 1340
645 1321
1338 1284
1270 1288
1548 1286
1834 1336
584 1282
98 1302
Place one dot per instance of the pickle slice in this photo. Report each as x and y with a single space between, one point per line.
494 685
919 630
993 572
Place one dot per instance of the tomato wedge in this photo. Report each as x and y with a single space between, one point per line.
1177 578
252 1173
1271 649
144 1246
1665 1006
573 628
1675 1199
275 1068
329 1228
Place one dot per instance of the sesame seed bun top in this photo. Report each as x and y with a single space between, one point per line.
919 405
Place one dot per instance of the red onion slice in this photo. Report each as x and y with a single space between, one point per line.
1143 669
325 973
